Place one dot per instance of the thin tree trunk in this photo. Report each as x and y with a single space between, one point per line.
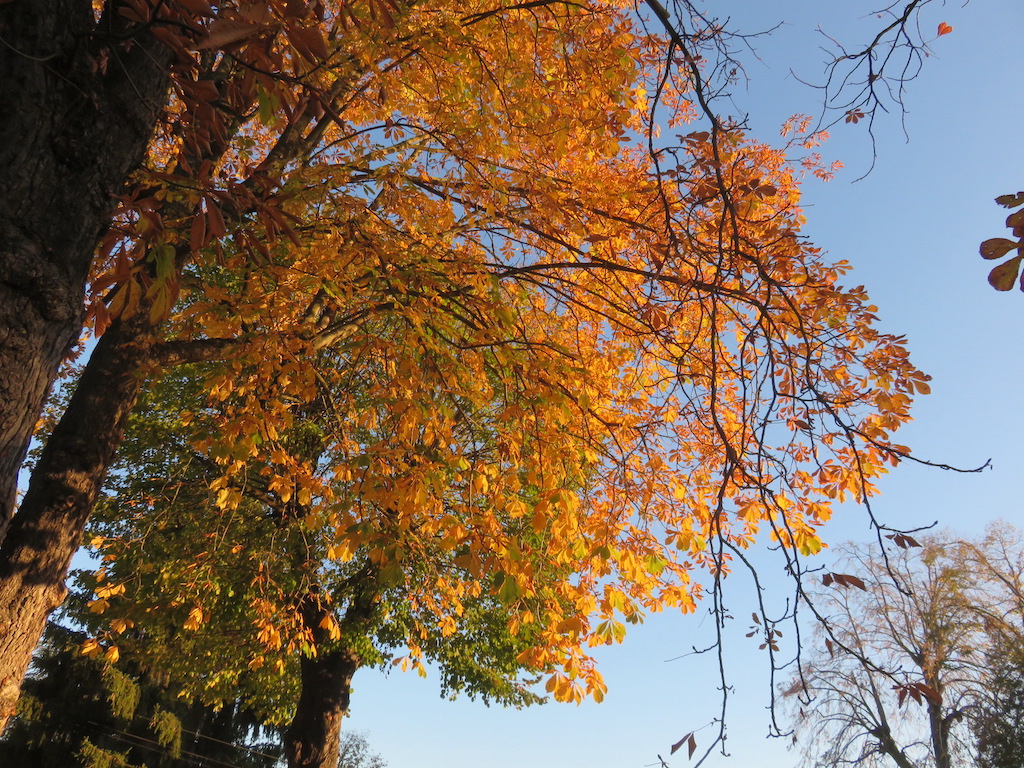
80 99
888 746
46 532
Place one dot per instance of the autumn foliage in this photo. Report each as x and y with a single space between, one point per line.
453 313
1004 276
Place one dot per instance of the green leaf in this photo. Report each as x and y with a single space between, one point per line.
1003 277
509 591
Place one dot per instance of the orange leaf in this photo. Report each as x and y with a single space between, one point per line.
944 29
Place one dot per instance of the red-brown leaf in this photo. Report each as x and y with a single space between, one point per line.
226 32
1004 276
996 247
678 744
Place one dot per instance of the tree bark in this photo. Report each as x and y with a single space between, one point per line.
80 101
47 531
313 738
938 725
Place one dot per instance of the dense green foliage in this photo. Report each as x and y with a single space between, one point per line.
89 713
212 596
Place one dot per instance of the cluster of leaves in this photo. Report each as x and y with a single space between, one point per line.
470 340
1004 276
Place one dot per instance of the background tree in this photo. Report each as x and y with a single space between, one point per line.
904 671
998 562
263 177
83 710
998 724
261 599
356 753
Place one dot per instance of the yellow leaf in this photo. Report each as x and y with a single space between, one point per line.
195 619
91 648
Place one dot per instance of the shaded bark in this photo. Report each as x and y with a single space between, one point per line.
313 738
81 98
888 745
46 532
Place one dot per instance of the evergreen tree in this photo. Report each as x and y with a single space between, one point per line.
999 729
87 712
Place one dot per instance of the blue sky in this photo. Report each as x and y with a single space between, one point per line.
911 229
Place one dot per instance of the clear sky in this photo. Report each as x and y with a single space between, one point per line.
911 229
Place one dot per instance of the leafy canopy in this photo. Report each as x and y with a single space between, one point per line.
553 366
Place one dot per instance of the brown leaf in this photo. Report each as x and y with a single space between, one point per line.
1003 277
197 234
903 541
1011 201
844 580
308 42
929 693
996 247
198 7
678 744
854 581
214 220
226 32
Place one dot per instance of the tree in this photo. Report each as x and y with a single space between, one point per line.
355 753
81 710
268 599
254 182
998 560
905 673
999 725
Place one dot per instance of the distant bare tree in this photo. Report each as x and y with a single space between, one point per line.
902 668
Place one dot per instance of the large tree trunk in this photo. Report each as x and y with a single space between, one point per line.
80 100
313 738
46 532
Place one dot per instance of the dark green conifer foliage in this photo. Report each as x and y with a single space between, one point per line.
88 713
1000 727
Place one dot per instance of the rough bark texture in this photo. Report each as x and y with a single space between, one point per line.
80 101
313 738
46 532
